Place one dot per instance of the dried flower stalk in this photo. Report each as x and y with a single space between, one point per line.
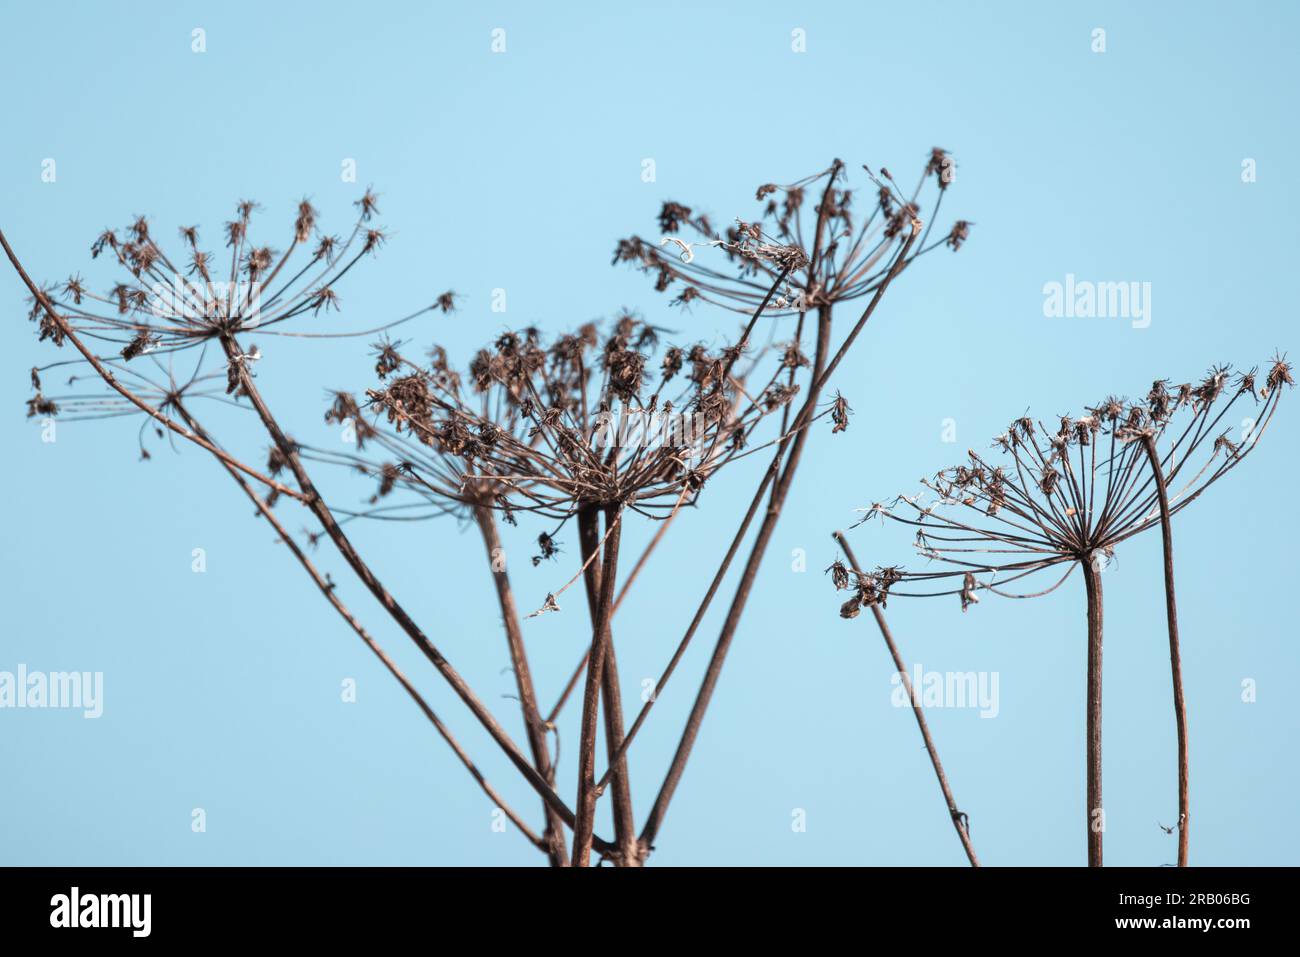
1070 496
840 576
524 432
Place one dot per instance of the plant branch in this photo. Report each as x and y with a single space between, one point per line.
1175 657
318 508
1096 815
959 820
612 699
819 378
535 727
586 799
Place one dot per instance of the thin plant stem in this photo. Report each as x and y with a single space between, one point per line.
960 821
585 803
820 377
535 727
1175 656
1096 815
622 593
700 611
612 699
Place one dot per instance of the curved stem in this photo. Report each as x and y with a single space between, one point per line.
1175 657
1096 815
959 820
533 723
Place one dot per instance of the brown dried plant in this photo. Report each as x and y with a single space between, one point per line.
844 258
1068 497
526 430
584 426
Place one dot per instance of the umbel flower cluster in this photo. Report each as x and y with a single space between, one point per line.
847 253
606 421
586 419
1070 493
164 304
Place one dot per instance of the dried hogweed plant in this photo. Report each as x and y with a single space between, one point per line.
585 426
1068 497
593 426
845 257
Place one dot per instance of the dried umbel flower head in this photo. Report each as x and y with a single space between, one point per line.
171 301
41 405
838 252
869 588
1071 494
592 418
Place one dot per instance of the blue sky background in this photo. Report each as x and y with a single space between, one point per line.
519 171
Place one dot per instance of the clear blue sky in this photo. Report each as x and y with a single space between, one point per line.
519 171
